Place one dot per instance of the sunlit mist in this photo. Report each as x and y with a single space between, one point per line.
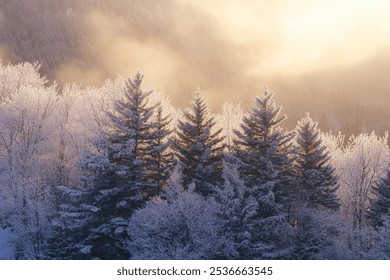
309 52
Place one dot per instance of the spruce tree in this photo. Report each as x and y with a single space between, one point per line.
69 225
199 148
108 203
161 155
265 154
117 174
266 151
380 203
251 217
315 232
316 178
234 207
131 137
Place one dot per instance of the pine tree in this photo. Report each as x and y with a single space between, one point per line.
106 206
265 155
316 179
315 232
69 225
160 157
382 243
251 217
254 235
380 203
117 174
235 206
199 148
265 150
132 135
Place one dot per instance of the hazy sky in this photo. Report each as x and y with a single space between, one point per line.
230 48
301 36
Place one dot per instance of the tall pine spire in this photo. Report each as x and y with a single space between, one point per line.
265 153
316 178
131 135
161 155
199 148
117 174
264 149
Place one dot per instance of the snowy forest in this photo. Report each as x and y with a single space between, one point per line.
117 172
141 129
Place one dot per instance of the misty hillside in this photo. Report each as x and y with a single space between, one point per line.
180 46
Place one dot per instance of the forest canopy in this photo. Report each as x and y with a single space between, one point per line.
117 172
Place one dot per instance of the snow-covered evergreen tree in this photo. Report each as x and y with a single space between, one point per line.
69 226
315 187
106 203
117 174
316 178
199 148
235 207
383 238
270 234
380 203
131 137
265 153
265 150
315 233
251 217
161 156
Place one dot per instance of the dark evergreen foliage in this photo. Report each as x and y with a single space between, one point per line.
380 203
265 150
316 178
68 226
131 137
161 156
199 148
265 155
251 219
117 174
315 231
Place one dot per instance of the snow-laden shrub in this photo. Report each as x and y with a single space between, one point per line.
185 226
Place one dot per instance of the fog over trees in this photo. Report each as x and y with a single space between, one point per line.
117 172
90 41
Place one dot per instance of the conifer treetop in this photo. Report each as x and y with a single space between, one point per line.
317 180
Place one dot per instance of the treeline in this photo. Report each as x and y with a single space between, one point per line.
117 173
